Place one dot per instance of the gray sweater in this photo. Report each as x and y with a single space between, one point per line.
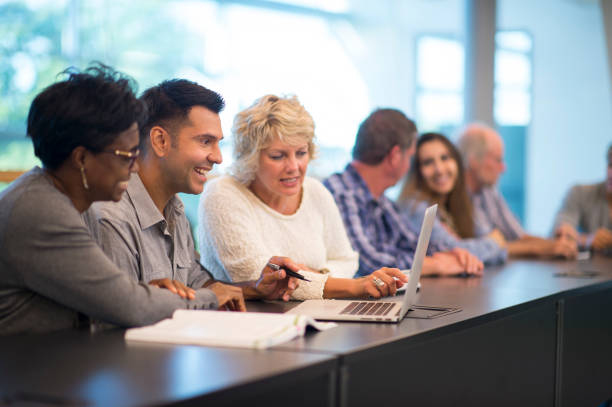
51 270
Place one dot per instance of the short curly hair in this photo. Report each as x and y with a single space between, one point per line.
255 128
88 109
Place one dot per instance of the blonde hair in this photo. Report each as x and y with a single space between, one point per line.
256 127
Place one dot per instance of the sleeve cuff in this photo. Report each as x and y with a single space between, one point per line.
310 290
205 299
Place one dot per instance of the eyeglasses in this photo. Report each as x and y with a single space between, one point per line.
129 156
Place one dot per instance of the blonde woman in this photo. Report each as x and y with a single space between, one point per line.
268 206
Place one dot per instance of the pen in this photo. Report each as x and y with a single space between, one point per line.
291 273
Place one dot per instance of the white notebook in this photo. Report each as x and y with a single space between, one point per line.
228 329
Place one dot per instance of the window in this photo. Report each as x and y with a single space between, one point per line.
439 82
243 50
512 78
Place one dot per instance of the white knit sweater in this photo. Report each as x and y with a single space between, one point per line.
238 234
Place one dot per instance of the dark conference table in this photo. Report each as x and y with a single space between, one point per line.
524 337
101 369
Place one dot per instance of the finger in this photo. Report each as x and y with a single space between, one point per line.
469 264
389 287
166 283
371 289
231 304
461 256
477 265
269 276
385 280
240 304
393 272
187 290
464 259
287 262
293 283
191 293
180 288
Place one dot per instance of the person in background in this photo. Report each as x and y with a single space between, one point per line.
268 206
383 149
586 213
54 276
482 150
147 234
437 177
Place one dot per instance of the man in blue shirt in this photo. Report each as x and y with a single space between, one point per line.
382 153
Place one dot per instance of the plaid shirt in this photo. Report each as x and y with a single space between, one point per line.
374 226
492 212
483 247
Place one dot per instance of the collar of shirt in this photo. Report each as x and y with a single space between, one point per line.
146 211
358 186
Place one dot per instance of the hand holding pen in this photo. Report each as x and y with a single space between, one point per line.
289 272
275 282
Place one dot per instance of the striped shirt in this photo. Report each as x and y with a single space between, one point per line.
374 226
492 212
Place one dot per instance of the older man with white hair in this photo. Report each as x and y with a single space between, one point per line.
483 155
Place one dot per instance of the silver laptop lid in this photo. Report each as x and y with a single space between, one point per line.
419 255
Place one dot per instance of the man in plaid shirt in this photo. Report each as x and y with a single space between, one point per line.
381 157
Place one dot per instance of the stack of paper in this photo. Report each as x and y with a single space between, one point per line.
233 329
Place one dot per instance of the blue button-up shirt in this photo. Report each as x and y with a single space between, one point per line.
374 225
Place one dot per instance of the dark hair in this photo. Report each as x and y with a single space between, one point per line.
380 132
169 104
458 204
88 109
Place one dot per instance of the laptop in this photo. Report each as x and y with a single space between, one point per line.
380 310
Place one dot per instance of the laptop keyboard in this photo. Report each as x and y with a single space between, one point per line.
368 308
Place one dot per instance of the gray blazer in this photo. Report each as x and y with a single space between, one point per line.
586 208
52 271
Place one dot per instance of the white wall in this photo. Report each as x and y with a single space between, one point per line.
572 106
388 63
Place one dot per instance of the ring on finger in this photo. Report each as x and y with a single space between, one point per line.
378 282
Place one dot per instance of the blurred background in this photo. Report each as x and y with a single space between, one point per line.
536 70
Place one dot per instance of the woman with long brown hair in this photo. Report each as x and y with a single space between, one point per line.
437 177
